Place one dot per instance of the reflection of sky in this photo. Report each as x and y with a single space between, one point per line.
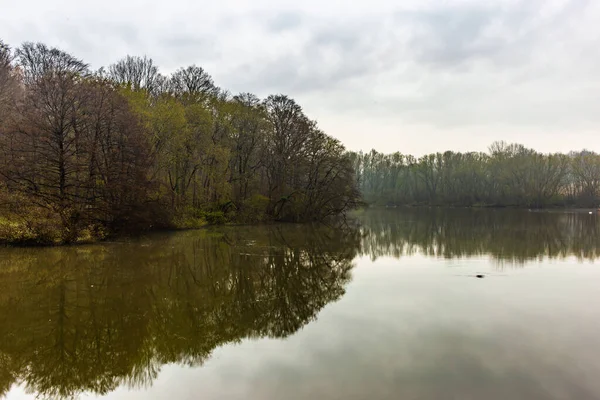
420 328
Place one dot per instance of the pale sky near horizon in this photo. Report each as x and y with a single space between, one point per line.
416 76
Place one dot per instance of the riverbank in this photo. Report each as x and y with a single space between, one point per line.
43 232
47 233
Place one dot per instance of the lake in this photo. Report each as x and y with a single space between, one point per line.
387 306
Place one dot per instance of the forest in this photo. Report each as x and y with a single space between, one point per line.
509 175
88 153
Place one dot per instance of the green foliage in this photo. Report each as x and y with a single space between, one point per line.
40 233
253 210
191 219
36 226
215 217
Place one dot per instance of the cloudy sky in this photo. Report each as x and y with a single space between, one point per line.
415 76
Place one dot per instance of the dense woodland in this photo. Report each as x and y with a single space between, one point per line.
509 175
87 153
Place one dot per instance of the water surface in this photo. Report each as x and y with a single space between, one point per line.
387 309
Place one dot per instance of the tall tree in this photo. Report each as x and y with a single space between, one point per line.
192 84
8 83
248 141
289 131
139 73
42 153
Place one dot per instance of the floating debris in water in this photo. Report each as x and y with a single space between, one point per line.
481 276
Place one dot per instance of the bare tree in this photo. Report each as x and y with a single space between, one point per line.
248 134
42 153
8 83
192 83
115 149
39 61
289 132
139 73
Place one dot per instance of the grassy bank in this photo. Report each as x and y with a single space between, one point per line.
42 228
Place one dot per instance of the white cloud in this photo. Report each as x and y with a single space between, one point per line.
420 77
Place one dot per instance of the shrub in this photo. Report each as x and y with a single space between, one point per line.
215 217
253 209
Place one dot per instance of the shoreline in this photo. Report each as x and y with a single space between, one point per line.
39 242
32 243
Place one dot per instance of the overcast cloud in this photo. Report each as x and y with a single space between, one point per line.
414 76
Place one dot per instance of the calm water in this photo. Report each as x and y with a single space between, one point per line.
389 309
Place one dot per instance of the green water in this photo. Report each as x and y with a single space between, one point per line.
387 307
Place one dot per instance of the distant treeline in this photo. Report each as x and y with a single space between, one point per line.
86 153
509 175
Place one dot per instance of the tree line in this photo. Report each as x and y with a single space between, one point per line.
508 175
87 153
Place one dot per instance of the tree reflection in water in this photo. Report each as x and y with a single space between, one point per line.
96 317
92 318
514 236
